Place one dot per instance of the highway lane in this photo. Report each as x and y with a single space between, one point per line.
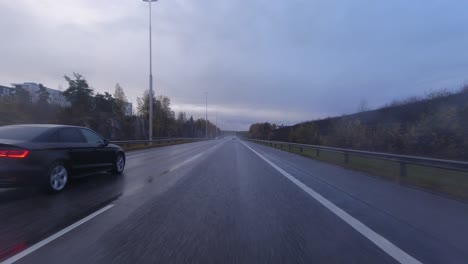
218 201
28 215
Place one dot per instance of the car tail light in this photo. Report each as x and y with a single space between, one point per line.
16 154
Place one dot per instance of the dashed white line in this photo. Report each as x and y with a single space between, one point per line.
136 188
62 232
387 246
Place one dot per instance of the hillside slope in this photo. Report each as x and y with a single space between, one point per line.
434 126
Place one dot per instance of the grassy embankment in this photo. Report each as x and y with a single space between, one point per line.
134 147
447 182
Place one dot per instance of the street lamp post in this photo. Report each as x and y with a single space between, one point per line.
216 125
150 99
206 116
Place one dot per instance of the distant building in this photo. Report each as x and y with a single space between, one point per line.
6 91
128 109
55 96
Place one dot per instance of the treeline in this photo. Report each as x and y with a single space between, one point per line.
104 113
167 124
435 125
264 131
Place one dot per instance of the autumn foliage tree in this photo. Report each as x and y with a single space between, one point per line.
102 112
262 131
435 125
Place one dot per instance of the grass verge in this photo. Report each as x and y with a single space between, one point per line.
442 181
133 147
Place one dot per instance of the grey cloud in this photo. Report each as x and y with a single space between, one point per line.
308 58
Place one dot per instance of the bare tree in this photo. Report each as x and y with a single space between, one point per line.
120 99
363 106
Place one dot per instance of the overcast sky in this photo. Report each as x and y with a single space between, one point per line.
259 60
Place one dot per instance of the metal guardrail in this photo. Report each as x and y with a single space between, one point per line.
155 141
403 160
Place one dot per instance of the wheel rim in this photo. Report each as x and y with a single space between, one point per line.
58 178
120 163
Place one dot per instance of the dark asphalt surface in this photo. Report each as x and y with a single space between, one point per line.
218 202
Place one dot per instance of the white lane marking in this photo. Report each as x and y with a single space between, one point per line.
62 232
191 159
187 161
177 166
377 239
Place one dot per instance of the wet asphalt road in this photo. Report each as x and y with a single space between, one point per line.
218 202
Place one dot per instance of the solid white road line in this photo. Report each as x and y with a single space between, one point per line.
377 239
44 242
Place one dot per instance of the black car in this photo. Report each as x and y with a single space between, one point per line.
48 155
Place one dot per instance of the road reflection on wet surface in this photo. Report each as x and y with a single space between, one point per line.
28 215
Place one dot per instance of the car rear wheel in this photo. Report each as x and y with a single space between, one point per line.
119 164
57 178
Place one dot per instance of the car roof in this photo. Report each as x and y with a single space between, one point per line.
41 125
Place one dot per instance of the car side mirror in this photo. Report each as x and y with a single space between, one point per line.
106 142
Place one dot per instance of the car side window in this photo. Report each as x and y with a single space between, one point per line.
53 138
70 135
92 137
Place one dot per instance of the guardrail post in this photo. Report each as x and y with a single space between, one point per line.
346 158
403 172
281 146
317 152
289 146
301 149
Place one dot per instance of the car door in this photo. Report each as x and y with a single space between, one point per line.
79 151
103 156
